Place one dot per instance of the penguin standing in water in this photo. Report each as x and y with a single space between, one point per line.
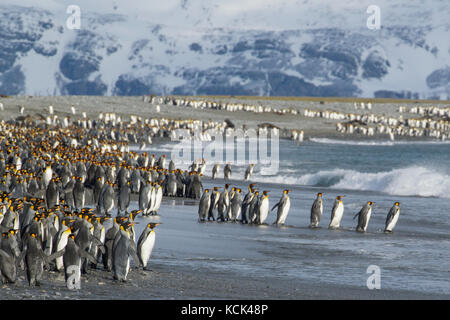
223 204
196 186
337 213
123 248
283 208
316 211
203 207
246 202
392 218
215 170
79 195
227 171
213 203
146 243
155 205
364 217
236 205
253 205
249 171
263 209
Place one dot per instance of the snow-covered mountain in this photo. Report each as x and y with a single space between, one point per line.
288 48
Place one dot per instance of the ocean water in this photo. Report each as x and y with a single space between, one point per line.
415 257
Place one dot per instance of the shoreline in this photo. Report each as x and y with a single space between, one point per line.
126 106
165 282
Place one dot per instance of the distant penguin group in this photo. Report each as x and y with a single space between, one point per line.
254 209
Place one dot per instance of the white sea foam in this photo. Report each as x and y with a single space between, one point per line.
411 181
373 142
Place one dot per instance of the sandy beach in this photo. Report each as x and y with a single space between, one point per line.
126 106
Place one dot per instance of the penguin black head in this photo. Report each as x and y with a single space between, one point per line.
397 203
286 191
151 225
339 197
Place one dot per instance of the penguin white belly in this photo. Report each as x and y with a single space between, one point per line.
127 268
264 210
369 213
111 206
335 223
147 247
391 225
238 213
152 200
158 200
102 235
285 212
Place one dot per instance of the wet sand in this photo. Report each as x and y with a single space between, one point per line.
166 283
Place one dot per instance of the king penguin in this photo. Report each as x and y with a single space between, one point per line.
35 259
79 195
215 170
337 213
249 171
107 198
213 203
263 209
223 204
283 207
203 207
227 172
72 258
392 218
146 243
124 198
316 211
364 217
236 205
123 248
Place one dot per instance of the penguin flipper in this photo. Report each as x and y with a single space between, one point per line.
88 256
55 255
5 255
275 206
132 252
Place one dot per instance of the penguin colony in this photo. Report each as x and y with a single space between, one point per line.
433 123
62 181
229 206
52 170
